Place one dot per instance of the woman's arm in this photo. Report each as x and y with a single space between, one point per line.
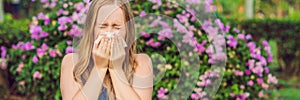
143 81
72 90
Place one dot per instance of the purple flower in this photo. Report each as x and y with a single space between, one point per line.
272 79
236 30
27 46
152 43
165 33
52 53
241 36
270 58
238 73
155 22
40 52
195 96
250 83
79 6
3 52
69 42
41 16
43 34
44 47
200 47
144 34
260 80
75 30
248 72
35 59
62 21
143 13
158 3
267 70
179 27
193 2
248 36
69 50
242 86
260 94
232 42
35 30
219 40
161 93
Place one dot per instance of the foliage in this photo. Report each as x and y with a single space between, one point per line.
35 61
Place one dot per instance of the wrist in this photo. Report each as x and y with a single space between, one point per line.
100 70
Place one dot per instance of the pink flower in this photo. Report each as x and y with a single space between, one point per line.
20 67
3 52
165 33
248 72
152 43
241 36
79 6
238 73
232 42
231 94
40 52
260 80
35 59
161 93
260 94
265 86
37 75
250 83
195 96
27 46
69 50
143 13
242 86
267 70
75 31
272 79
58 53
52 53
144 34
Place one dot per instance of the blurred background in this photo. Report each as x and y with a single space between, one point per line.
33 44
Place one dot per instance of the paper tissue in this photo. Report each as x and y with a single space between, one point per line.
111 34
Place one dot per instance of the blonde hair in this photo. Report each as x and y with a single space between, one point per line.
81 69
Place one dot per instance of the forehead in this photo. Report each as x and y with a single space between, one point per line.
110 13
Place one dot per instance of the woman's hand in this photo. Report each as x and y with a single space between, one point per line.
117 53
101 51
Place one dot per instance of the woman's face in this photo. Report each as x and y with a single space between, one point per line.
110 19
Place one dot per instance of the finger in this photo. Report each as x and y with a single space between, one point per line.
100 45
107 47
114 48
120 44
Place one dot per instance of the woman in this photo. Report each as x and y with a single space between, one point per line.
104 68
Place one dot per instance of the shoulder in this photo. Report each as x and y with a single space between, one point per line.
144 64
67 61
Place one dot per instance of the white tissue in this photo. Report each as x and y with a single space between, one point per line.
111 34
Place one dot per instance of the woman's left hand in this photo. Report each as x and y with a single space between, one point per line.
117 53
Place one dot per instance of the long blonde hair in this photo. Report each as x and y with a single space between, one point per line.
82 67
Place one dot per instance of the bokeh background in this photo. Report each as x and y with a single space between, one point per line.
261 56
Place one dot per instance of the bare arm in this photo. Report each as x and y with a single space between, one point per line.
142 85
71 90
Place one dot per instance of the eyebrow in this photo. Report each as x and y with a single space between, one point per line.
114 24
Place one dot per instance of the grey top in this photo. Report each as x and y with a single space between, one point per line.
103 95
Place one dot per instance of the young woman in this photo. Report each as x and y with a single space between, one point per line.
104 67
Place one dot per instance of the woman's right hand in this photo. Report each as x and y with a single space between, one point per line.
101 51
